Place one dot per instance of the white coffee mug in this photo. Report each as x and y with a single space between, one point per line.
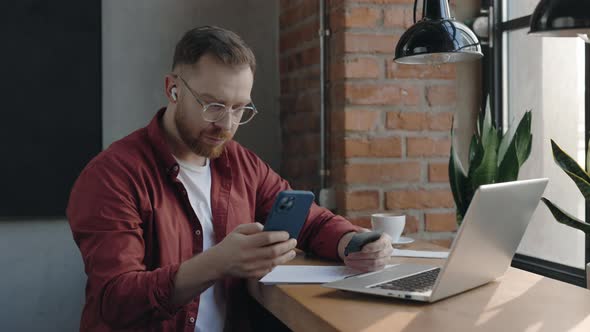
389 223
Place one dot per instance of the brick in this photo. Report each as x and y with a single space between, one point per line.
306 103
287 104
399 17
356 17
292 16
361 17
417 121
442 121
369 43
297 168
304 144
297 123
441 95
298 85
303 81
283 66
412 225
428 147
442 242
304 58
440 222
355 120
363 221
339 2
298 36
406 120
337 93
381 94
395 70
361 200
363 67
373 147
419 199
438 172
381 173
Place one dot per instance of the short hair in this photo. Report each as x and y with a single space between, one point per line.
226 45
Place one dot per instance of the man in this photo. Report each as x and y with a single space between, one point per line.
167 218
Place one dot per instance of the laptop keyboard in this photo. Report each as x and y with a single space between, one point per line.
420 282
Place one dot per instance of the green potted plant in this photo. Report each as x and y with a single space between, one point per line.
493 158
582 180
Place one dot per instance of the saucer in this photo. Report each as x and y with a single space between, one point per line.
403 240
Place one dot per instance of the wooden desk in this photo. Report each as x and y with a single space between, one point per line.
519 301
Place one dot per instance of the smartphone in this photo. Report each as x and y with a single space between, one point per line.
289 212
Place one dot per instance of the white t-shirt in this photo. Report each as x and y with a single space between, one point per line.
197 182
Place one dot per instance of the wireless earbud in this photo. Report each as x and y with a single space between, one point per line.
173 93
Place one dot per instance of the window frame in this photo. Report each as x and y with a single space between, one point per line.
494 87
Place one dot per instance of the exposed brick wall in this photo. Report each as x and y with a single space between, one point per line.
300 92
389 124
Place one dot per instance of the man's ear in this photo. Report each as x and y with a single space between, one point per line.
170 89
173 93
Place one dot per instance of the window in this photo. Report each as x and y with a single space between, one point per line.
549 76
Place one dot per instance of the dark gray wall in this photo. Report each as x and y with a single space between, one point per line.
42 280
138 44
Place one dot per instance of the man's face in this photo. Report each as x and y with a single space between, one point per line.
212 82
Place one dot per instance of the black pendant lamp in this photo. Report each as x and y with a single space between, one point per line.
561 18
437 38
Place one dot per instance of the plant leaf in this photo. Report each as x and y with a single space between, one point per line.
567 163
520 136
523 138
566 218
486 171
582 185
457 179
509 166
588 157
487 130
475 153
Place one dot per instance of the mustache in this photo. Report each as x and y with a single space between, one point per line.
218 133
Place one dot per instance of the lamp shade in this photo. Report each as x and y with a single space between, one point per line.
437 38
561 18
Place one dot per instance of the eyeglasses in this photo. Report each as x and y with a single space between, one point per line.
214 112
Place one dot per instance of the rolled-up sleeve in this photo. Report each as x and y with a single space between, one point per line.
322 230
103 213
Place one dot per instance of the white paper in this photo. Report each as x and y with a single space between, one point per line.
419 253
306 274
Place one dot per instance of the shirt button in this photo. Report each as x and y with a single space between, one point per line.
175 168
192 320
198 232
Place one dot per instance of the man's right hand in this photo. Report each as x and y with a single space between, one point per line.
248 252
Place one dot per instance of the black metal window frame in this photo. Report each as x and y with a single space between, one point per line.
494 69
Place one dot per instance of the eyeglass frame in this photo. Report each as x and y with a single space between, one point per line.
225 107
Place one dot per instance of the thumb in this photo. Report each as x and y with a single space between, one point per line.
250 228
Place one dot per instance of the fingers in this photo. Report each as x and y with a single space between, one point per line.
383 243
257 238
367 265
267 238
374 256
249 228
272 251
260 268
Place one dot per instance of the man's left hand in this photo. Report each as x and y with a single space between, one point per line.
373 256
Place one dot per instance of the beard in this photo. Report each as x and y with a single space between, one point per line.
196 143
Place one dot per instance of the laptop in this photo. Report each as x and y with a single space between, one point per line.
482 251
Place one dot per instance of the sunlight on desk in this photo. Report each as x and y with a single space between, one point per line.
519 301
